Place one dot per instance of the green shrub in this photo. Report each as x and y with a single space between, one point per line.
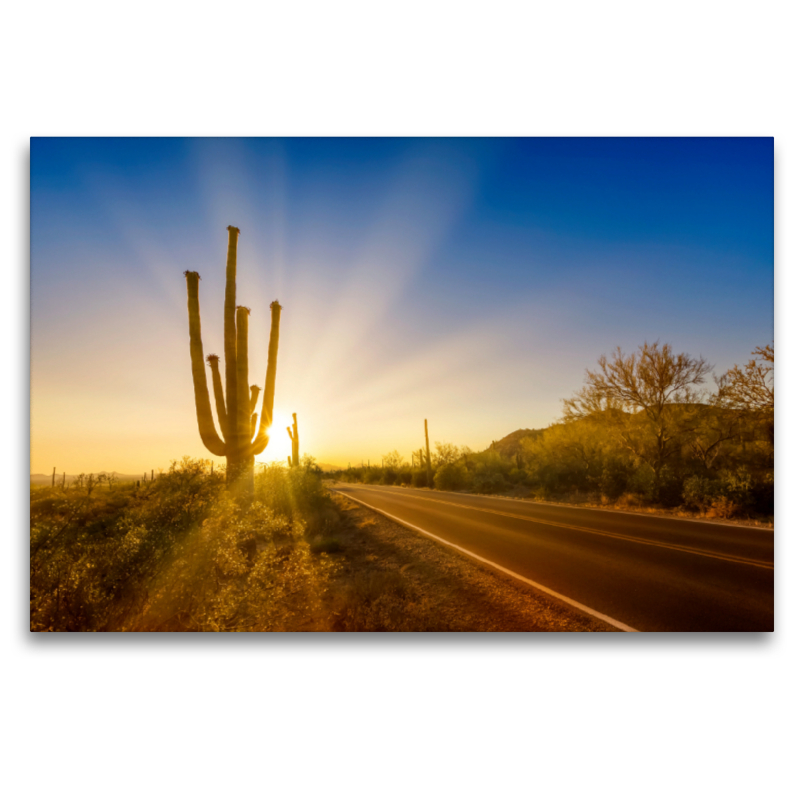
487 481
450 477
699 492
289 492
614 478
517 476
419 478
373 475
405 477
737 486
642 481
668 490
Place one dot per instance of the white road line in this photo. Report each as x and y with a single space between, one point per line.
597 614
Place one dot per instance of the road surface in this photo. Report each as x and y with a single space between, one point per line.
647 573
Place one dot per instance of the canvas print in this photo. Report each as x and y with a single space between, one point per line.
402 385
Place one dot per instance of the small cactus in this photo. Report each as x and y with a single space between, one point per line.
295 459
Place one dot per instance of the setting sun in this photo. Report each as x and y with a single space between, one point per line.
280 446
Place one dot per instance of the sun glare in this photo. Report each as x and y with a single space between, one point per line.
279 446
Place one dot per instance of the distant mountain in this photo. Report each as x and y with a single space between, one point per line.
328 467
510 445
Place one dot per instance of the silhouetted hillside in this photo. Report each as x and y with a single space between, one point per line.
510 445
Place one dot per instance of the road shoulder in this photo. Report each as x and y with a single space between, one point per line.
391 578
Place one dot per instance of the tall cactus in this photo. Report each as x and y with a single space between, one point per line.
244 436
295 459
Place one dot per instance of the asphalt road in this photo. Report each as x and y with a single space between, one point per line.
648 573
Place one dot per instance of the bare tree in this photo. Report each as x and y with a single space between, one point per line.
650 396
393 460
446 453
751 389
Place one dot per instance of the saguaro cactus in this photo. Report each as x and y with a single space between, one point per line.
295 459
243 435
428 456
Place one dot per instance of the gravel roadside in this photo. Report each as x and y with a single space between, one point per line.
393 579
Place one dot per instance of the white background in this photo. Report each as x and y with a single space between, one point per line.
647 716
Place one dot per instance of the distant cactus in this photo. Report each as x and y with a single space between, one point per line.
294 461
243 436
428 456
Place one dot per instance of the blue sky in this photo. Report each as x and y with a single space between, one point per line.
469 281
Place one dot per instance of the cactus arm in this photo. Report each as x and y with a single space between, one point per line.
267 400
295 442
219 395
254 390
230 339
205 422
242 379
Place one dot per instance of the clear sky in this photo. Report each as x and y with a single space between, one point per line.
469 281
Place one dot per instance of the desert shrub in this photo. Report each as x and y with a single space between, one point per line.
92 552
488 481
517 476
668 490
389 476
723 508
350 475
289 492
241 570
737 486
641 481
419 478
699 492
179 554
405 477
614 478
450 477
373 475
